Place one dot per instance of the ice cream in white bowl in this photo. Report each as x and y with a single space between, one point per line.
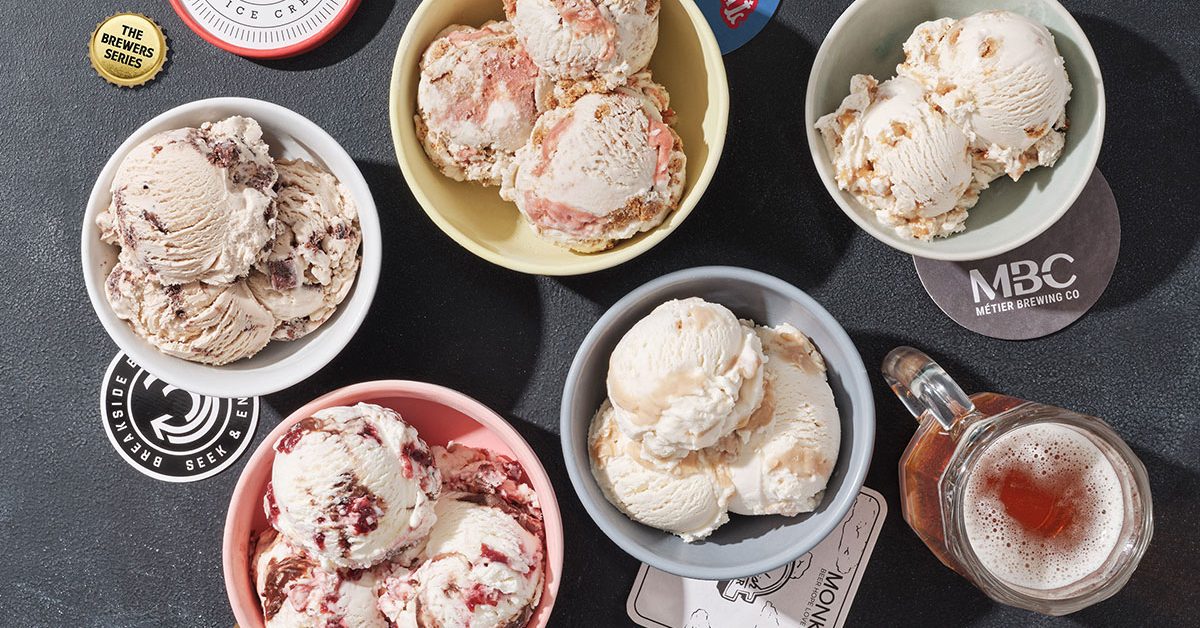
1006 98
276 365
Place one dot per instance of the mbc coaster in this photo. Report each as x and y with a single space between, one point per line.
815 590
736 22
1041 287
265 29
168 433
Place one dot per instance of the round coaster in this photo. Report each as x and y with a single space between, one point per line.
1041 287
265 29
736 22
169 433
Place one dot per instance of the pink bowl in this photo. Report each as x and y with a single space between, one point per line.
440 415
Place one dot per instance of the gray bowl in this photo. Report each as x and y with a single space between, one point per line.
745 546
867 39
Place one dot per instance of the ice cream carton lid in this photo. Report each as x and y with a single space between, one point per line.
736 22
265 30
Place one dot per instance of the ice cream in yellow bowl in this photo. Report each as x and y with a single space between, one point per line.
557 153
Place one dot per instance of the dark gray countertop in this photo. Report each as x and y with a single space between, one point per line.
93 542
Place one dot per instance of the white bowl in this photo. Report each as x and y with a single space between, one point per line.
867 39
281 364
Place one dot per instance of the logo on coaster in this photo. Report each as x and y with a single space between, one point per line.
736 22
813 590
169 433
1041 287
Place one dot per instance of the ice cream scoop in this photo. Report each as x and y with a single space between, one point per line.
484 563
296 592
998 75
195 204
576 39
784 467
689 499
212 324
902 158
684 377
470 470
353 486
484 570
314 258
476 101
597 172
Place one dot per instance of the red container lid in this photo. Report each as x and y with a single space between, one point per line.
265 29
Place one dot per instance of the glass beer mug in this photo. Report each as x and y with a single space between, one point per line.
1040 507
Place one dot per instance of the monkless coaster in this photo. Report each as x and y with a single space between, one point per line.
265 29
736 22
1041 287
168 433
814 590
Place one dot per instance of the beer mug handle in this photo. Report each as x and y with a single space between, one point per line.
924 386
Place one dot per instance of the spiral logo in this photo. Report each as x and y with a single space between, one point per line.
169 433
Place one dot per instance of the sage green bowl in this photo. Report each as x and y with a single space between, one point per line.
868 39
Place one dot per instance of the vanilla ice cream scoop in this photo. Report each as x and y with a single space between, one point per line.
353 486
295 592
196 321
476 101
999 75
684 377
577 39
484 569
314 258
601 170
785 466
689 499
195 204
902 158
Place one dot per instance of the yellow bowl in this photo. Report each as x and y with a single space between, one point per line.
687 61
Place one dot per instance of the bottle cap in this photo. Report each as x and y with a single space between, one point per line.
128 49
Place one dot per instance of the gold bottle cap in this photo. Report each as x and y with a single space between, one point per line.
128 49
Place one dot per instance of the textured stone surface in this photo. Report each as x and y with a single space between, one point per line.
95 543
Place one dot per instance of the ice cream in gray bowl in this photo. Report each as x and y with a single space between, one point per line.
673 491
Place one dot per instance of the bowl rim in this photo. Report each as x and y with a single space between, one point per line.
930 250
290 370
435 393
590 262
855 381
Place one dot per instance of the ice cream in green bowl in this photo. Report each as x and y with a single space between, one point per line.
955 129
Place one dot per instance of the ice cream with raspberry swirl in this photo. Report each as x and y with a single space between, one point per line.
484 563
353 486
296 591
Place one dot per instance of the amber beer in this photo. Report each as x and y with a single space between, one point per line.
1040 507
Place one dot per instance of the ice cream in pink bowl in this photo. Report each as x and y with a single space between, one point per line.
478 491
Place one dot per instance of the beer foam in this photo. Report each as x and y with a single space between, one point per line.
1041 561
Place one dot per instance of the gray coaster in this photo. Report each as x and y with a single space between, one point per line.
1039 288
168 433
